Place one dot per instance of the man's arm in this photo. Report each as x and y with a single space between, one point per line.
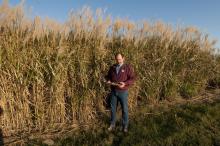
108 79
131 76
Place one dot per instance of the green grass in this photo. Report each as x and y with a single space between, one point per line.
190 124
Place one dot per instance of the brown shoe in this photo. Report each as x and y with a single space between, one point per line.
125 130
111 128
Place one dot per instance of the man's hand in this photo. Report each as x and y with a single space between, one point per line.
108 82
122 85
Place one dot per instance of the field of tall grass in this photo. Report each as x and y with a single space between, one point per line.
51 73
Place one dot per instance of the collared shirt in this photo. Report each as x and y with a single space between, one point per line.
118 68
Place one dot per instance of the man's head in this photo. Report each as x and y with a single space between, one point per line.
119 57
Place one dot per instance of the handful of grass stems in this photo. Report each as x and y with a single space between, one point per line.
112 83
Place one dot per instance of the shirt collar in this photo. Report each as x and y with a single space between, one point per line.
120 64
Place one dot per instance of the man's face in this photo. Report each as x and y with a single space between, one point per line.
119 59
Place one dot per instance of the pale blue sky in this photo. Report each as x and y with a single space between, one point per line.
205 14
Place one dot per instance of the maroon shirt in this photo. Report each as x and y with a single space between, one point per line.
126 74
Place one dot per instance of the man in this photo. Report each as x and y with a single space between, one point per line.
120 76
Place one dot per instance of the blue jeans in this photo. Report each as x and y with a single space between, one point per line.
122 97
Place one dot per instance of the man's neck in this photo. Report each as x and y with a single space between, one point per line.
120 64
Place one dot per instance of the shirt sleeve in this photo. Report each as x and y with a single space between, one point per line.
131 76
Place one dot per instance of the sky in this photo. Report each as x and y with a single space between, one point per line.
204 14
